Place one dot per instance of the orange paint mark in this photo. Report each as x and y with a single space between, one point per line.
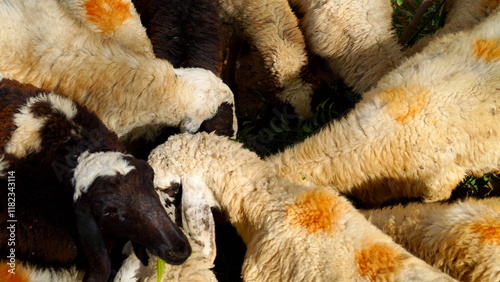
492 4
6 276
489 232
487 49
405 103
315 210
108 15
378 260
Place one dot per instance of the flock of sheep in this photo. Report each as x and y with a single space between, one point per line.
83 82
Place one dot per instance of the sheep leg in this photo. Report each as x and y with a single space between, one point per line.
92 242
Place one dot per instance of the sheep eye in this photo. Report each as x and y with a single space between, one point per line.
173 190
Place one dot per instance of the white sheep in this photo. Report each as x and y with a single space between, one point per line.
116 19
272 27
125 89
356 38
292 232
427 125
460 238
460 15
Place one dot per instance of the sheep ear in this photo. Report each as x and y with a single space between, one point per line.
141 254
92 243
190 125
197 218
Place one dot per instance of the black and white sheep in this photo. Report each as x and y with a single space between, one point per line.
77 192
127 90
427 124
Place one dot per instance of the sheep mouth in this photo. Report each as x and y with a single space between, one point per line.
173 256
221 122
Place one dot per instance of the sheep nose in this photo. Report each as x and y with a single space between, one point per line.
176 254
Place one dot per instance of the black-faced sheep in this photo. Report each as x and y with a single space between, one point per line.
354 37
76 191
185 33
427 124
461 238
292 232
126 90
198 223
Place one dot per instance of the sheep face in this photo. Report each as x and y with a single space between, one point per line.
126 205
209 103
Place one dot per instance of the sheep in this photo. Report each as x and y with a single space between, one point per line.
77 192
116 19
354 37
125 89
185 33
292 232
426 125
197 222
462 238
272 27
461 15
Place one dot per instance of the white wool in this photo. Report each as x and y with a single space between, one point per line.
427 124
270 216
93 165
126 89
27 136
273 28
460 238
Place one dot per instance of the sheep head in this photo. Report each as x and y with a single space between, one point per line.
209 103
114 194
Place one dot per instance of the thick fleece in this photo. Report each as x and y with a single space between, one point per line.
127 90
292 232
273 28
356 38
461 238
427 125
460 15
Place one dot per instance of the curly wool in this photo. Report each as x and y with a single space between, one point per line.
289 230
427 125
461 238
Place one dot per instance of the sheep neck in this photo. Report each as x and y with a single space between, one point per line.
328 158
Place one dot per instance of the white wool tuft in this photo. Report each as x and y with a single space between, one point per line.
91 166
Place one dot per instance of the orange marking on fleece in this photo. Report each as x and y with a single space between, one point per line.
487 49
405 103
315 210
492 4
6 276
489 232
378 260
108 15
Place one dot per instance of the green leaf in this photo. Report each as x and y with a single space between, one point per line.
400 2
160 269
